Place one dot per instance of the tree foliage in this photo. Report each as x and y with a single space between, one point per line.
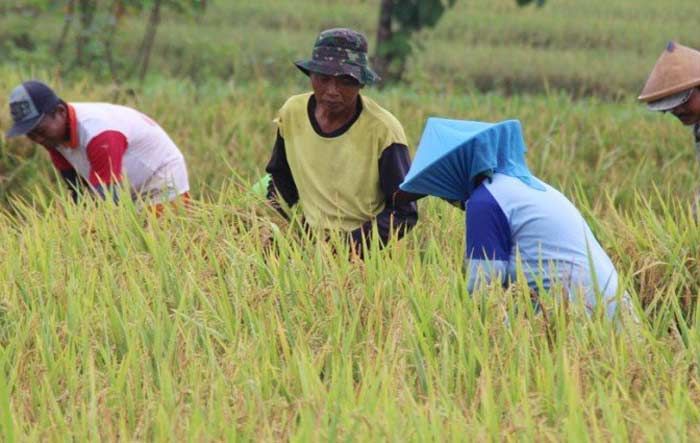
90 28
398 21
527 2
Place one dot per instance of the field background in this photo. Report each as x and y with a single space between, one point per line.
120 328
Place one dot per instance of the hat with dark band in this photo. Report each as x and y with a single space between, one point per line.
670 102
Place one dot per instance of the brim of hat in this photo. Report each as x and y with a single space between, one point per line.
309 66
22 128
670 102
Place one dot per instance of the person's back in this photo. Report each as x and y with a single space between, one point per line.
544 233
151 161
94 146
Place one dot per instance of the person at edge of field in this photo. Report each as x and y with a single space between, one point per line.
337 152
94 146
673 86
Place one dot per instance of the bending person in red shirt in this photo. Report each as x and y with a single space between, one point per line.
96 146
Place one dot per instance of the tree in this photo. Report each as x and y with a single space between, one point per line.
398 20
98 26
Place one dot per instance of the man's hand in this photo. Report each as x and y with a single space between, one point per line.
402 197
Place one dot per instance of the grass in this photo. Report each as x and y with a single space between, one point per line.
225 131
595 47
115 326
213 325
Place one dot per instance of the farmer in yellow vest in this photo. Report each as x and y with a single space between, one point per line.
673 87
339 154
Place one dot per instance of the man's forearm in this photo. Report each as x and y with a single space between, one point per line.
74 183
282 183
389 223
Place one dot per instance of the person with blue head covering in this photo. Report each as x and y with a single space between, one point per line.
512 218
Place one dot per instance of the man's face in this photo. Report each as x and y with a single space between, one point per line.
52 131
689 112
337 94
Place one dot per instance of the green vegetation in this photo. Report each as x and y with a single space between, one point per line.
117 326
594 47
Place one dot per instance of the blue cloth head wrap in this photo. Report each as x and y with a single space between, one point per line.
453 153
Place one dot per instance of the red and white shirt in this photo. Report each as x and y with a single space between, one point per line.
109 143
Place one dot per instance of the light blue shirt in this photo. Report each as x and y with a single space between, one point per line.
507 221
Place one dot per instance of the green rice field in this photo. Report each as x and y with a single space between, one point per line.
226 324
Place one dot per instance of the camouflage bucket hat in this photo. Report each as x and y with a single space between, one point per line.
340 51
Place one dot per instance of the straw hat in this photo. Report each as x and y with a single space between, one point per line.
675 73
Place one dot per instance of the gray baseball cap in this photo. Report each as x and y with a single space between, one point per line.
29 103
